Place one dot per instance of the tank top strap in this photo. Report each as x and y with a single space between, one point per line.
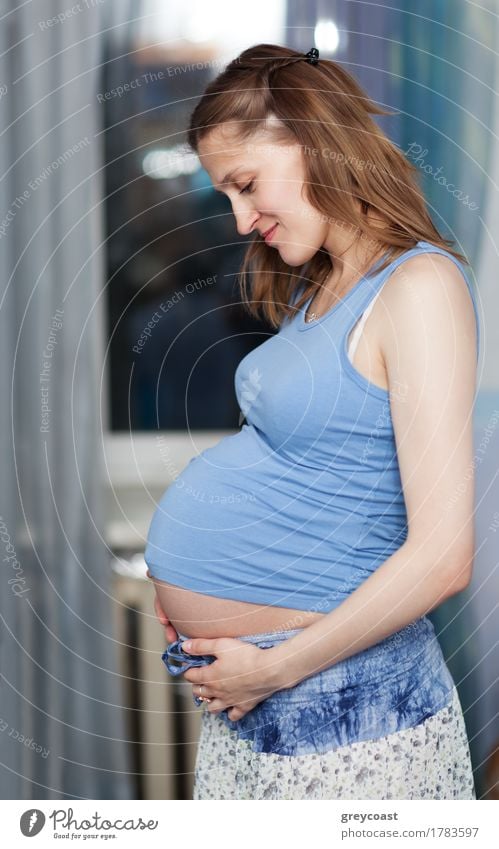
367 289
370 286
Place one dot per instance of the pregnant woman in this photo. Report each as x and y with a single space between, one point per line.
302 554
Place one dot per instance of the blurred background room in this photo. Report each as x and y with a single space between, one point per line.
122 327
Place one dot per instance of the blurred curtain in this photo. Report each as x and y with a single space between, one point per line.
437 66
62 731
483 593
447 56
447 61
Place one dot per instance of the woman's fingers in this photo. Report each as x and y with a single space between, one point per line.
163 618
170 632
160 613
214 706
236 713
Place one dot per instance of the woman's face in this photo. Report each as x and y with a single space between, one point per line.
264 182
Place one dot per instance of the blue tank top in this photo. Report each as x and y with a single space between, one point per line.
301 505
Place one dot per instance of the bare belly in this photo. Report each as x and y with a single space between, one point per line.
198 615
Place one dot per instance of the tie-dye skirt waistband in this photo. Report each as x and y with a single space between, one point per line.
393 685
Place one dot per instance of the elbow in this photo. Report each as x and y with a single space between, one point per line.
459 580
449 564
459 569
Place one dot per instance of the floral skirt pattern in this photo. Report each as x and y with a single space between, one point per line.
385 723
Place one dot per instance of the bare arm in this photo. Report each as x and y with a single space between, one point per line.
430 355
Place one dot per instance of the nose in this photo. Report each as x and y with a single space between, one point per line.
246 220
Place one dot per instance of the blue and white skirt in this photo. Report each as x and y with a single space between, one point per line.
385 723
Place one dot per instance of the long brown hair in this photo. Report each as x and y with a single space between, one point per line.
318 106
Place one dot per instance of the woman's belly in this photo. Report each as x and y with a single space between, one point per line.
198 615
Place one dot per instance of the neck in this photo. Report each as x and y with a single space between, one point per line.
322 300
351 251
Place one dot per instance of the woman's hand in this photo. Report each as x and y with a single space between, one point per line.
170 632
242 675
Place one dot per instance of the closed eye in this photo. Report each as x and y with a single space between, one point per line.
247 188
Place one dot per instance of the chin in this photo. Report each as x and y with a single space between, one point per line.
293 256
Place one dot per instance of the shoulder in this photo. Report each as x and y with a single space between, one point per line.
427 276
426 297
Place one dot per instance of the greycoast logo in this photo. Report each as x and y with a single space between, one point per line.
32 822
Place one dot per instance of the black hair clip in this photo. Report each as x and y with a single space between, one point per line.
312 56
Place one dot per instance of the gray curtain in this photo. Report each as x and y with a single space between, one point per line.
62 727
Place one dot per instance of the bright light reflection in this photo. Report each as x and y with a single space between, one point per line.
326 36
166 163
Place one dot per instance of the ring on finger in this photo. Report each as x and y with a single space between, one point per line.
202 698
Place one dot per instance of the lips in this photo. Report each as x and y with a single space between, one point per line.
267 235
